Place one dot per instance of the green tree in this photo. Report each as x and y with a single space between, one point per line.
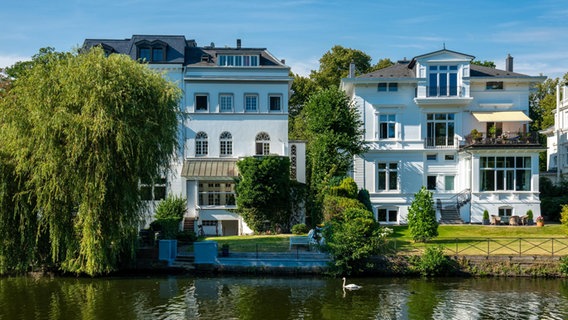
334 130
334 65
169 214
263 192
422 217
381 64
485 63
352 239
81 131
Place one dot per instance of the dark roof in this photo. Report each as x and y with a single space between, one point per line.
175 46
399 70
179 50
481 71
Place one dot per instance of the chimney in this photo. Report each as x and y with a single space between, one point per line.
238 43
352 70
509 63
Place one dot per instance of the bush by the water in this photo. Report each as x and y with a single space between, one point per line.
433 262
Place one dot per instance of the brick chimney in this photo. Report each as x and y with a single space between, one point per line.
509 63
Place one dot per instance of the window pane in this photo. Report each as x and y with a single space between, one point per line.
500 180
157 54
393 180
393 215
144 54
449 183
382 87
382 215
431 183
382 180
274 103
201 103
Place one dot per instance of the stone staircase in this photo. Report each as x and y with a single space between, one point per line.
450 216
450 208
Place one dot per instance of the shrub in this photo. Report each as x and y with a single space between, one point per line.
422 217
530 215
333 206
168 228
564 215
433 262
186 236
564 265
485 215
347 188
300 228
364 197
172 207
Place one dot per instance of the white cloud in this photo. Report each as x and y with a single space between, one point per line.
9 60
303 67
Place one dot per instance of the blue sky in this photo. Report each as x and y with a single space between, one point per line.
534 32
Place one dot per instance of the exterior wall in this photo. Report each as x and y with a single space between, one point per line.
557 139
418 161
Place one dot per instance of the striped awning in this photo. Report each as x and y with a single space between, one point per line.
209 169
501 116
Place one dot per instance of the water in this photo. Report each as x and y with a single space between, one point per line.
282 298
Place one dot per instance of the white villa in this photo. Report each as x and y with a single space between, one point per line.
557 139
419 116
234 105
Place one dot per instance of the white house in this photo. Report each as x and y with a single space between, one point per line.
418 117
234 105
557 139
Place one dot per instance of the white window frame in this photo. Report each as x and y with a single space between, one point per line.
223 99
388 120
201 144
246 102
389 211
206 102
270 96
262 144
388 170
225 144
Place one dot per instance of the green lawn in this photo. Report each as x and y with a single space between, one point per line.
495 240
472 239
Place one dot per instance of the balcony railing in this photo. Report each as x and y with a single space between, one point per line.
445 92
441 143
528 138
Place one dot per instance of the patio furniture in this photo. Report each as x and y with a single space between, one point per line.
495 220
525 220
514 220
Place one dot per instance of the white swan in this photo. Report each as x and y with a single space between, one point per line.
351 286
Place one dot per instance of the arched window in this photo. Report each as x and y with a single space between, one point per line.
201 144
262 143
226 143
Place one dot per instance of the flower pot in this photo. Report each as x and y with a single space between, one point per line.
540 223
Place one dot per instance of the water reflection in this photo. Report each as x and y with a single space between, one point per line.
281 298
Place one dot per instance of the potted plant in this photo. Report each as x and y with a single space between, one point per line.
493 131
485 217
539 221
530 217
475 135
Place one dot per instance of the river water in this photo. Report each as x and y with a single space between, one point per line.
250 297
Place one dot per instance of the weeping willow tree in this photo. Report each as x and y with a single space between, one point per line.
77 134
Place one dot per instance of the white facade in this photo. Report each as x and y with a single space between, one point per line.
418 117
557 138
234 105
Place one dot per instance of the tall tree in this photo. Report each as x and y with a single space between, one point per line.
334 65
381 64
333 129
263 192
81 131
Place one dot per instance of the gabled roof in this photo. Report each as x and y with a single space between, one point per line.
438 52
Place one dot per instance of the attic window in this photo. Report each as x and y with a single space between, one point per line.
205 58
387 86
494 85
238 60
154 51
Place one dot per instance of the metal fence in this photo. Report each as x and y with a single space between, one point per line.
492 246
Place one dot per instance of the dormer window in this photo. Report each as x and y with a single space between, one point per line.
154 51
443 81
238 60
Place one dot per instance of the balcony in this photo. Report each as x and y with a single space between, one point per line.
522 140
452 95
441 143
